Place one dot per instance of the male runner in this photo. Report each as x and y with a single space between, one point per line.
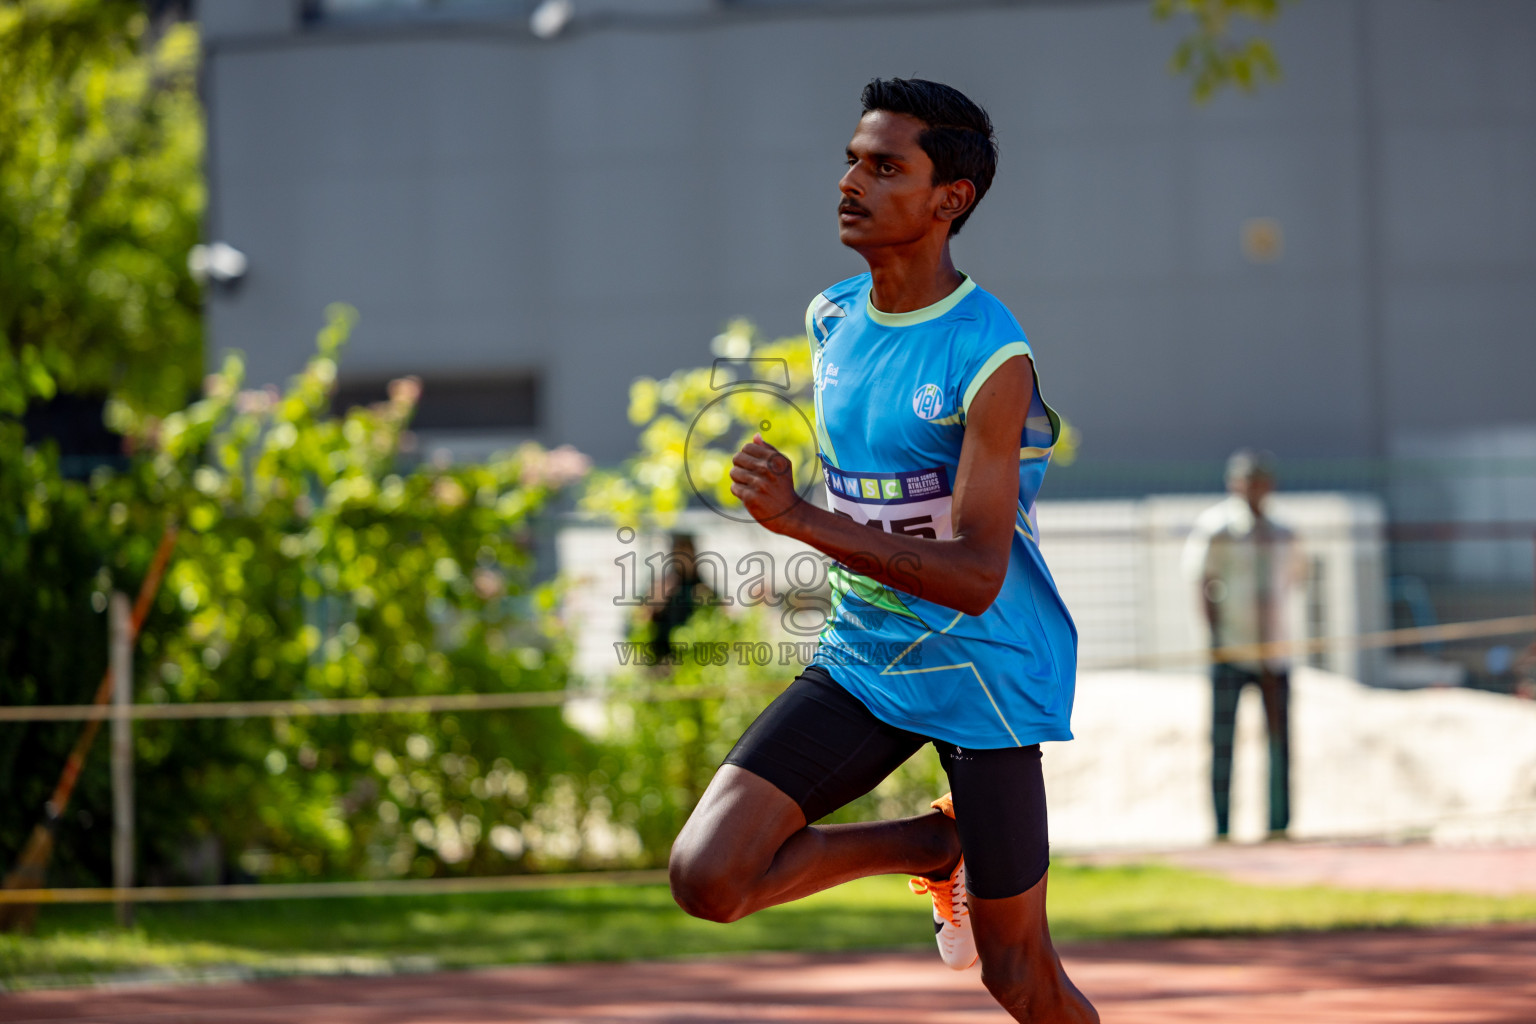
946 626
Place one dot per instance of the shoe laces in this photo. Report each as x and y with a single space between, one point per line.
943 894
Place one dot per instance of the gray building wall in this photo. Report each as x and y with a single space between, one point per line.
596 206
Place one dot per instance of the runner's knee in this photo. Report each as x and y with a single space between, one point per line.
705 888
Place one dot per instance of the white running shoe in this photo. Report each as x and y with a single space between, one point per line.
951 913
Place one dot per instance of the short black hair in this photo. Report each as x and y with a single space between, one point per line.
958 137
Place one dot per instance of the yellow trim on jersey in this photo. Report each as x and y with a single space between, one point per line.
925 635
892 671
1028 527
979 681
988 368
919 316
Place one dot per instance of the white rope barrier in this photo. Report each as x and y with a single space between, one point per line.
1484 628
312 890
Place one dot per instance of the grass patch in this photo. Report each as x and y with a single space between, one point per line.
78 943
1156 900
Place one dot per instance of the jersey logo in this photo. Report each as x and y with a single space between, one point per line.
826 375
825 308
927 401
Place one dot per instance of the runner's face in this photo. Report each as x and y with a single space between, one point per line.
889 197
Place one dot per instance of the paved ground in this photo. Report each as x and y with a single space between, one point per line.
1477 976
1452 977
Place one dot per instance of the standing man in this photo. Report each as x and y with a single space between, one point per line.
945 625
679 593
1247 565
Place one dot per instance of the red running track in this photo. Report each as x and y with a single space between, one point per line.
1481 976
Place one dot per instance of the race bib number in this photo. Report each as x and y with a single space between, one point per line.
915 503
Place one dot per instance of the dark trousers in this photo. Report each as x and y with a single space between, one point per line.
1227 682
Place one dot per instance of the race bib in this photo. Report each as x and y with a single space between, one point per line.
916 503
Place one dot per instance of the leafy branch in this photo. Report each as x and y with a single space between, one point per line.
1218 53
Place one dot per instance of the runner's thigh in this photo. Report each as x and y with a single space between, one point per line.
1000 815
821 746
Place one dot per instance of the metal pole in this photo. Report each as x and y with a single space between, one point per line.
122 752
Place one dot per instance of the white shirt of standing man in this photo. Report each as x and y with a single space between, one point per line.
1245 565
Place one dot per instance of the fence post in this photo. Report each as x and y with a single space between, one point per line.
121 654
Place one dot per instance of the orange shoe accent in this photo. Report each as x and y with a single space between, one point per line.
945 803
942 892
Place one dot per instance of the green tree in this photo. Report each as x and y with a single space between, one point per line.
101 196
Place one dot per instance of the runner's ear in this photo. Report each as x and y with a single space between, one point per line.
958 197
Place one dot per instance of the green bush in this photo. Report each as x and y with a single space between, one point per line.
54 547
309 564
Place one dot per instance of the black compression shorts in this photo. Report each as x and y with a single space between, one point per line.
822 747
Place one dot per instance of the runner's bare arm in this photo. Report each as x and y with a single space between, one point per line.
964 573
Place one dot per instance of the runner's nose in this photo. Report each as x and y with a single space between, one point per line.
849 184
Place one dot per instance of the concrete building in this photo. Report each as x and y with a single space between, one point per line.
1343 265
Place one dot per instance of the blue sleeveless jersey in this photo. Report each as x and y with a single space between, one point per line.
891 394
